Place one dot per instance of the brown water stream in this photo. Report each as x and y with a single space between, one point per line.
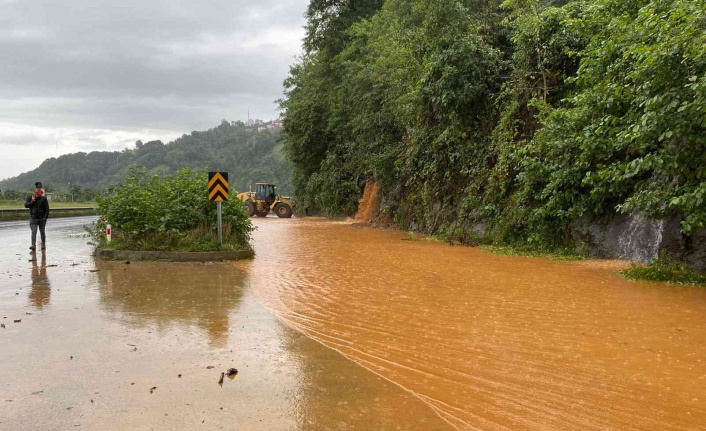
491 342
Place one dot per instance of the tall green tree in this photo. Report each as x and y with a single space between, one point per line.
525 115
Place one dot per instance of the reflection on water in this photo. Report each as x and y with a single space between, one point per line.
40 294
165 294
491 342
285 379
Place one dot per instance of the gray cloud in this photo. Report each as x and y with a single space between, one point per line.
152 65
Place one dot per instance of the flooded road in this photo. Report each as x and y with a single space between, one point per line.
492 342
334 327
141 346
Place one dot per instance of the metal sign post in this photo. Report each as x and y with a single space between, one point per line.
218 191
220 223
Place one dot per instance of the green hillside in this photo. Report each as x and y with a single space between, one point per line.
522 116
248 153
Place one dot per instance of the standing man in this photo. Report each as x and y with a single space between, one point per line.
38 214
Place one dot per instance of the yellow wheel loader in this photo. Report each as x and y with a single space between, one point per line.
265 199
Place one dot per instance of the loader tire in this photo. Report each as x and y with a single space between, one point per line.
250 208
283 211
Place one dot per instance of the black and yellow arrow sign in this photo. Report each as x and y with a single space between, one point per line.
218 186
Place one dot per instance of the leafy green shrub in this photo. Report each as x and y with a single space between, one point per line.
667 270
631 137
168 213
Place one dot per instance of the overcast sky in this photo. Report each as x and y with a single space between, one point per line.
84 75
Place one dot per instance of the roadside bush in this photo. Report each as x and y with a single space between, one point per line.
168 213
667 270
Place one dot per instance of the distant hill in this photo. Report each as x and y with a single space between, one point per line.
249 153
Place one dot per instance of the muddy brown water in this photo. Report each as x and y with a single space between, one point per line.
492 342
337 327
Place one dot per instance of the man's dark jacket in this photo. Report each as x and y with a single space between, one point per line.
39 209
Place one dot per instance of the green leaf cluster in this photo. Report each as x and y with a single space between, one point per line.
169 212
667 270
631 136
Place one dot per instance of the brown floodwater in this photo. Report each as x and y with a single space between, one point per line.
491 342
337 327
141 346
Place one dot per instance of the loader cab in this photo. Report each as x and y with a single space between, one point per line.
265 192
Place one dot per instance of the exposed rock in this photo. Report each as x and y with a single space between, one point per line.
637 238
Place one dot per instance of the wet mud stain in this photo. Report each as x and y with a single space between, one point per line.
368 203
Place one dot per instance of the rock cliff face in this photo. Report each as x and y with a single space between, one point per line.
639 239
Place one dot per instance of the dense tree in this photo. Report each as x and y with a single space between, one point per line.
522 114
632 136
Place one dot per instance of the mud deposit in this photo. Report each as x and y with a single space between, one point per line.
492 342
338 328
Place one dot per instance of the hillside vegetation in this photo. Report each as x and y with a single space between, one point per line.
248 155
524 115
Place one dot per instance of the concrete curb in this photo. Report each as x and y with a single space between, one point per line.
173 256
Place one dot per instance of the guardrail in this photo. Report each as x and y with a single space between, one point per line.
25 210
20 213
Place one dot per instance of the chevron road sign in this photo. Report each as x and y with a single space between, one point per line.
218 191
218 186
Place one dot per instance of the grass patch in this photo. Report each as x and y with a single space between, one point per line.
666 270
561 254
54 214
52 205
415 236
486 243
